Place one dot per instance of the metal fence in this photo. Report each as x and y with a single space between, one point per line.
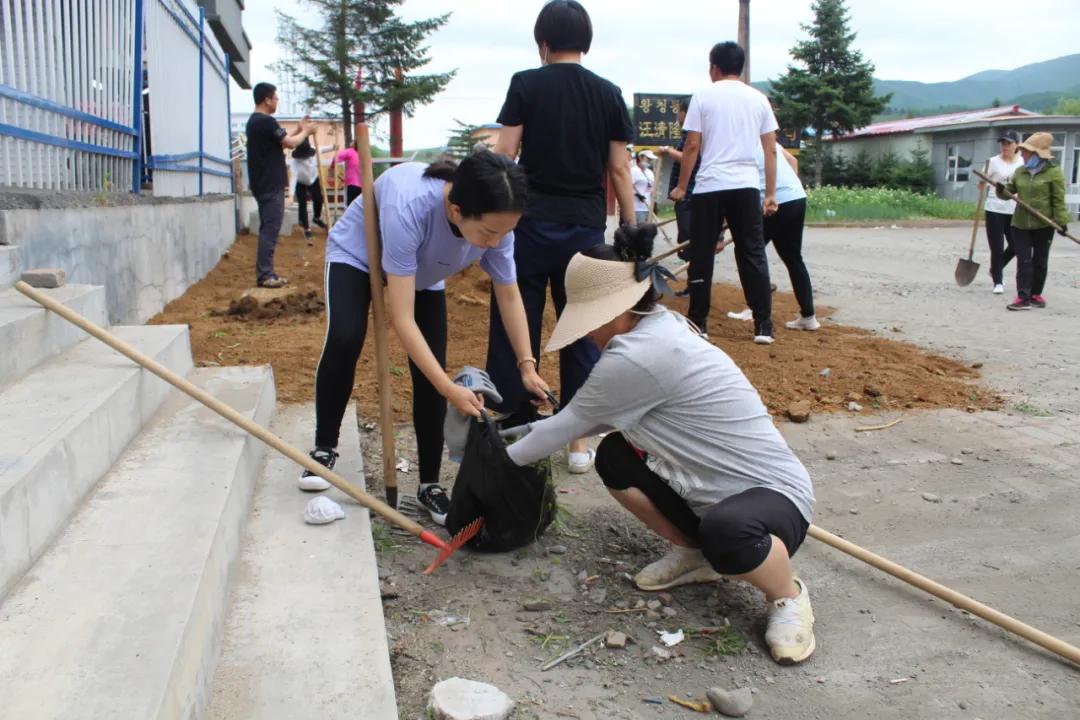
73 93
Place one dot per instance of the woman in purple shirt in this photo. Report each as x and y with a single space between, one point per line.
435 220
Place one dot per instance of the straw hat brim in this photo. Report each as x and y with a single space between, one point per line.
1044 153
580 318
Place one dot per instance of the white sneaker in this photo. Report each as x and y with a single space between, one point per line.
764 339
803 323
999 289
680 566
581 462
746 314
309 481
790 633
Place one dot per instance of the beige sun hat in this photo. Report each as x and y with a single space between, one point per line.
597 292
1039 143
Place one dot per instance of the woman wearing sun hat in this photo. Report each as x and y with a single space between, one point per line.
692 451
1041 184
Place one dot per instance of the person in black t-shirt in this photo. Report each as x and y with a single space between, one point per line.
571 127
267 176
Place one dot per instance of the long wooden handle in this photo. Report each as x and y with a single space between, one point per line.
1020 201
322 183
1051 643
378 307
978 214
244 423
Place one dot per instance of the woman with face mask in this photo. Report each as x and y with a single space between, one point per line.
570 127
435 221
1041 184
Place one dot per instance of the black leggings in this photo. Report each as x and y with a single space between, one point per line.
734 534
785 228
348 295
302 193
999 236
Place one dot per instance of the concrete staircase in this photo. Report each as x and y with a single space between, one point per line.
123 508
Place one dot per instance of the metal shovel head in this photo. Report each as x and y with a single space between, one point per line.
966 270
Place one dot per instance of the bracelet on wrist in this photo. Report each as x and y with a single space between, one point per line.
524 360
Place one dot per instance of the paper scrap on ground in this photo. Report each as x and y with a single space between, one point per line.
671 639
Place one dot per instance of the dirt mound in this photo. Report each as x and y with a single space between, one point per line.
829 369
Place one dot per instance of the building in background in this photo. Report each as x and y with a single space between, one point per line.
225 19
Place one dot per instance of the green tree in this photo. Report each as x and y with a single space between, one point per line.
886 167
916 173
1066 106
461 142
349 35
832 88
861 170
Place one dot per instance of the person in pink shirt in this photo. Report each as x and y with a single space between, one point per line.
351 160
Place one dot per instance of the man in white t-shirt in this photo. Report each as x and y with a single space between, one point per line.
726 122
641 175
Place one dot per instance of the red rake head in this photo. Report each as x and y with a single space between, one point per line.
446 549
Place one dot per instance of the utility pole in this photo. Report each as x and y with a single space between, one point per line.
744 37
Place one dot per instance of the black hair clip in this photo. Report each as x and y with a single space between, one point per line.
657 273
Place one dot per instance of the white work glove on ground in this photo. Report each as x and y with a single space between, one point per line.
456 425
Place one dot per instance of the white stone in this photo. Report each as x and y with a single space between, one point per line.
461 699
46 278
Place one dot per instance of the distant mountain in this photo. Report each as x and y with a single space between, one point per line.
1037 87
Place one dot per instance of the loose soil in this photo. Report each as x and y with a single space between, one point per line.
287 333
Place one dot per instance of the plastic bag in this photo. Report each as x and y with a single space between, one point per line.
517 503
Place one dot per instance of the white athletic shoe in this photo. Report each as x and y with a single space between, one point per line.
746 314
580 463
804 323
999 289
790 633
764 339
680 566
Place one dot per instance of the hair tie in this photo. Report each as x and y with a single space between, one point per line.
656 273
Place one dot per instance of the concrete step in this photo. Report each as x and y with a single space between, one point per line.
122 617
305 635
64 424
10 266
30 334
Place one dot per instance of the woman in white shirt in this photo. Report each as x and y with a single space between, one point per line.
999 212
641 175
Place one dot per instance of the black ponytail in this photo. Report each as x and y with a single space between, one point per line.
633 243
484 182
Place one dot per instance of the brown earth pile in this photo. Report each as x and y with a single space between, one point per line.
287 333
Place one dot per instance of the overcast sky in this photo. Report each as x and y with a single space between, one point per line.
663 47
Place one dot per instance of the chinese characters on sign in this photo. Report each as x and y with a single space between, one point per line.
656 119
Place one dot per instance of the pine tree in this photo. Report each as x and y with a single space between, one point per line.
832 89
359 34
460 144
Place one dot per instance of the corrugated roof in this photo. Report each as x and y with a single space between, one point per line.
906 125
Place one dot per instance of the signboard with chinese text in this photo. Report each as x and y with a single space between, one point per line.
656 119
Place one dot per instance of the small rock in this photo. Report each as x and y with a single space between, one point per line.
976 365
384 573
665 598
830 456
853 511
652 615
653 604
733 703
931 497
598 596
582 576
639 603
669 612
956 461
871 391
622 605
799 412
461 699
820 679
615 639
44 278
963 705
536 605
660 653
967 451
854 406
557 549
825 373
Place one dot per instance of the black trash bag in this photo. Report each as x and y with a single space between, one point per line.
517 503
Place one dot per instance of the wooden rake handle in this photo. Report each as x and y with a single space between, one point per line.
1051 643
227 412
1020 201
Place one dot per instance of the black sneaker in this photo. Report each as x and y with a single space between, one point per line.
309 481
435 500
1019 304
320 223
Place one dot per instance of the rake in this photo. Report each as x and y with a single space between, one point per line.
446 548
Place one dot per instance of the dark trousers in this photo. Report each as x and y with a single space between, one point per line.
542 250
785 228
741 209
734 534
999 235
351 193
1032 259
271 215
303 192
682 223
348 295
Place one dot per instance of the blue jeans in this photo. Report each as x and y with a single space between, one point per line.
542 250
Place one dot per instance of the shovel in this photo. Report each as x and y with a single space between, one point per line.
966 268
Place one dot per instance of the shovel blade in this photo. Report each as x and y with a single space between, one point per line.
966 270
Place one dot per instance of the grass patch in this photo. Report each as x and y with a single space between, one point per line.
383 540
722 643
840 204
1033 410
